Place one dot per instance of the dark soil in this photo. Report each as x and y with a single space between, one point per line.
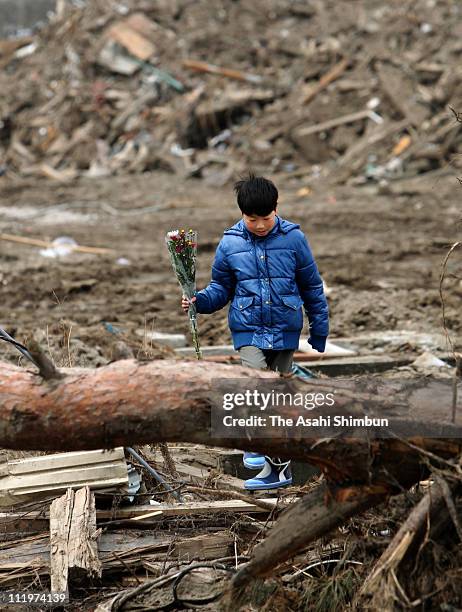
380 257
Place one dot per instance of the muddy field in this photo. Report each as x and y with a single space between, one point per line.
354 114
380 256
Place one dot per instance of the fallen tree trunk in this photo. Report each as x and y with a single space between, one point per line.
129 402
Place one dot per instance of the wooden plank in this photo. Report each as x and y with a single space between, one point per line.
118 550
334 367
3 465
220 349
60 526
211 546
201 507
133 41
355 365
43 243
58 480
36 551
8 47
192 508
332 123
195 474
208 457
63 460
82 547
38 477
329 77
14 497
231 73
73 539
21 523
190 472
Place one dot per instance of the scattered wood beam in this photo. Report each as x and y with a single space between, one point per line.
231 73
46 245
328 125
331 75
38 519
73 539
30 557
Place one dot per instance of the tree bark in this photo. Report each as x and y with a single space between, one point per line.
128 402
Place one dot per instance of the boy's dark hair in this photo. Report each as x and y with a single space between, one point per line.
256 195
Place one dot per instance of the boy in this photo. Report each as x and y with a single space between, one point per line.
264 266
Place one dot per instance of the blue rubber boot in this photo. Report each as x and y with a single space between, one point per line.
254 461
275 474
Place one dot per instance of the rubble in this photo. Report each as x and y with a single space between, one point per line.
107 89
77 541
36 478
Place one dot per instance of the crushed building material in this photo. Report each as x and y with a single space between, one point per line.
35 478
160 59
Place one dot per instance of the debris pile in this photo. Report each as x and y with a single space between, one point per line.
209 89
95 551
86 542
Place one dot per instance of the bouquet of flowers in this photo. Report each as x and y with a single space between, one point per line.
182 248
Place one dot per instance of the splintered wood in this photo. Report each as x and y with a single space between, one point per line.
73 539
117 550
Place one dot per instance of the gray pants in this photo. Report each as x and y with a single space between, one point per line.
266 359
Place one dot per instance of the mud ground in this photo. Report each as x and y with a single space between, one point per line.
380 256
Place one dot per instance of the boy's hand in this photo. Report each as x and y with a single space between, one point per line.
318 343
185 303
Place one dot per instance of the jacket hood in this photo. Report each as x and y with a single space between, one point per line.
281 225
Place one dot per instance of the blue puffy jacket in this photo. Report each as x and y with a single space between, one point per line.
268 279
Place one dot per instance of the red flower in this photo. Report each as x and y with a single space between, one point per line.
178 248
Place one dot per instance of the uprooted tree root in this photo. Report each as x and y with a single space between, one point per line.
423 560
418 568
423 569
